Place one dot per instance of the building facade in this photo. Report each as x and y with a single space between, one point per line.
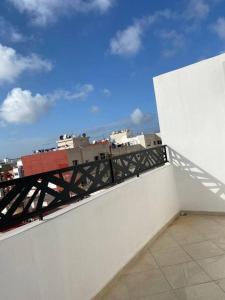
58 159
125 137
72 151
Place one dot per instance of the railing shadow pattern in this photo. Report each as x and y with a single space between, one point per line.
34 196
196 173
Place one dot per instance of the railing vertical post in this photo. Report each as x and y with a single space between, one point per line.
165 151
111 170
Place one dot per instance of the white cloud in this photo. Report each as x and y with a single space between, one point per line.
219 28
12 65
94 109
20 106
81 93
43 12
197 9
9 33
174 42
137 116
107 92
102 5
128 42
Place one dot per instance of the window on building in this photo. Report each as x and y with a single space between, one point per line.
96 157
154 142
159 142
75 162
102 155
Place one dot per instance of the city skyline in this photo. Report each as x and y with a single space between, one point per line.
76 66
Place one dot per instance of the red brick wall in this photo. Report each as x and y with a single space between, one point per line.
44 162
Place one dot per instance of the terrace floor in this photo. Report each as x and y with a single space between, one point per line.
187 262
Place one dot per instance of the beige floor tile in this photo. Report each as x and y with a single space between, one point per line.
188 236
202 249
162 296
205 291
210 231
165 241
118 291
171 256
220 220
220 242
221 284
186 274
177 228
185 233
214 266
145 262
146 283
191 236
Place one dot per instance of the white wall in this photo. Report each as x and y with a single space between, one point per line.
197 190
73 255
191 107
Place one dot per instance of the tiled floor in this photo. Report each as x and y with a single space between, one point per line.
187 262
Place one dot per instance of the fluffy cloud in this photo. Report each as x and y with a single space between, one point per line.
12 65
174 41
107 92
20 106
137 116
81 93
197 9
43 12
9 32
94 109
128 42
219 28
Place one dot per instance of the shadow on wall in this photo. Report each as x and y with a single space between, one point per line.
197 189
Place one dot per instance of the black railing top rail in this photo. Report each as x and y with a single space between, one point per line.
35 176
35 195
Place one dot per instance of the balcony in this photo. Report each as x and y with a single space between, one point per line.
149 225
124 241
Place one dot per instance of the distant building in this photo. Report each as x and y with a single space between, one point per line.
125 137
120 137
75 150
69 141
10 161
145 140
18 169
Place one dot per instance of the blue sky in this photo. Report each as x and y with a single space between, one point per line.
69 66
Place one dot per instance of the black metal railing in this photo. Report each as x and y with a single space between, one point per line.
32 197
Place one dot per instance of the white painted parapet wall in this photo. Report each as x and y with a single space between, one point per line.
73 255
191 108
